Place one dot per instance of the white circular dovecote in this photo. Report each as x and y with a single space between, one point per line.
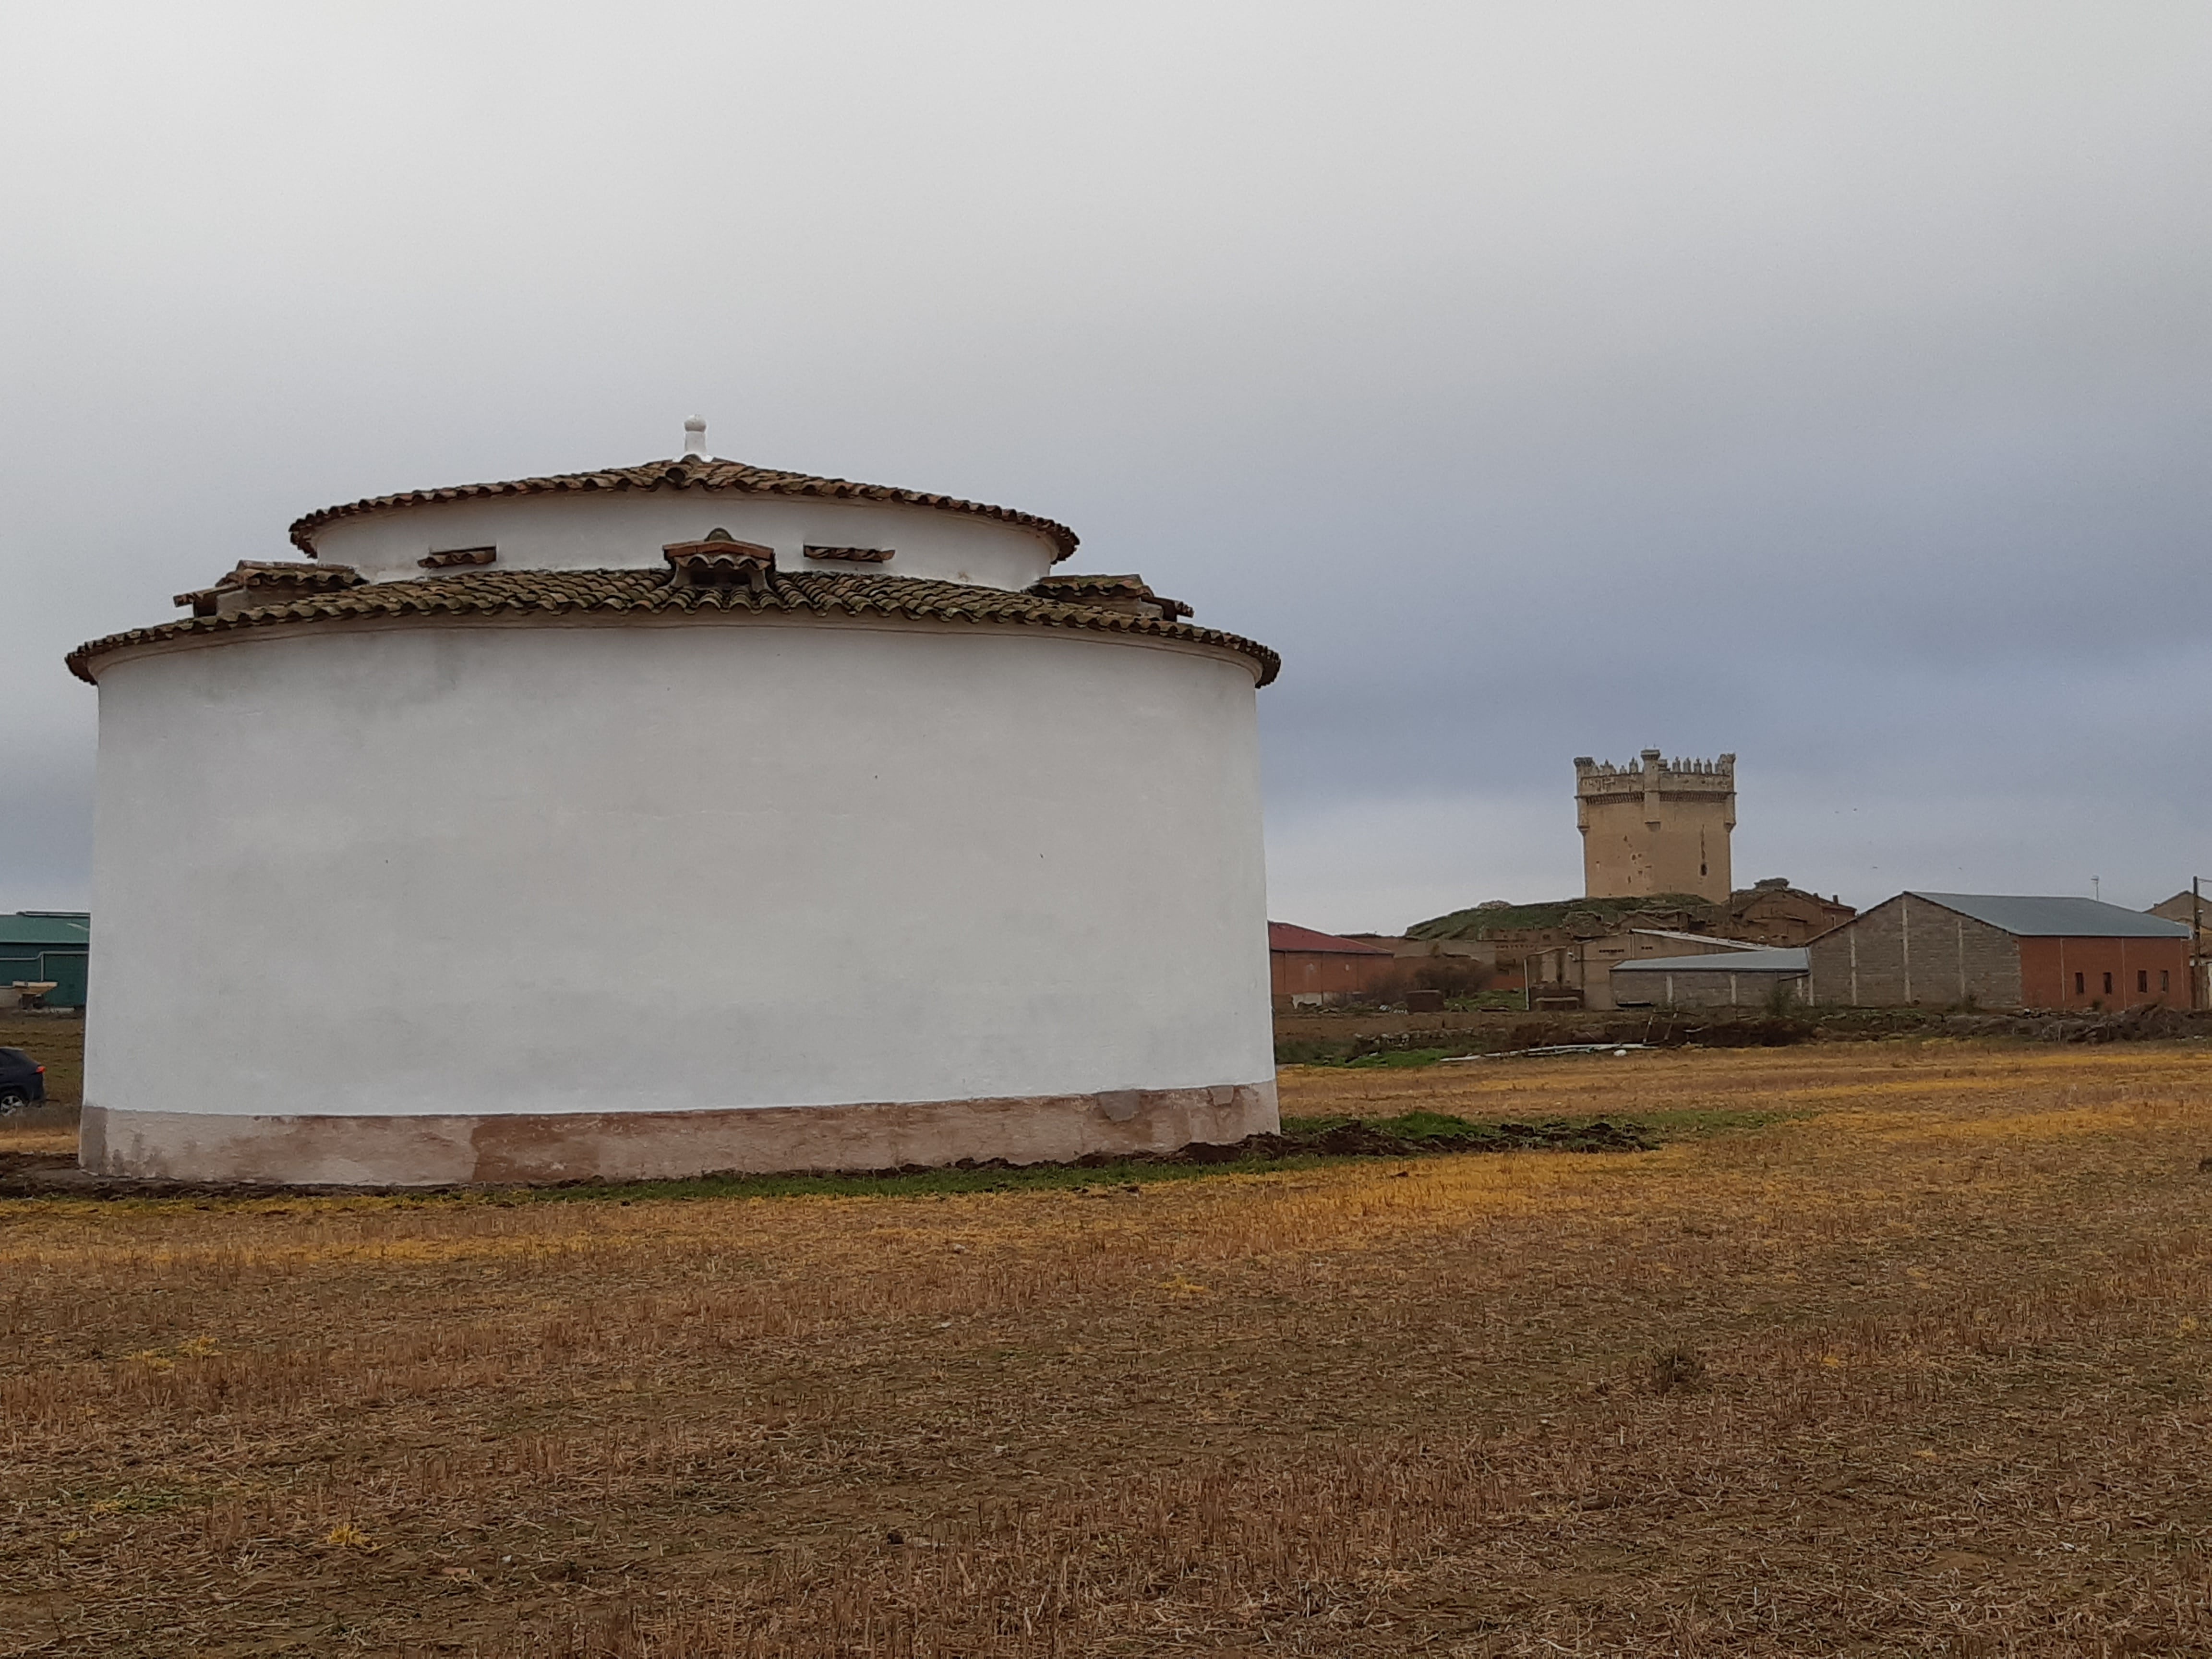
680 818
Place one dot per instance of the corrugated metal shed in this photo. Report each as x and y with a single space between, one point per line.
1772 959
45 927
48 946
2028 917
1695 939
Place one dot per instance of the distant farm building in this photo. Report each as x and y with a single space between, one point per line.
2194 911
2187 907
1309 969
1726 979
45 947
1590 967
1998 951
1772 912
1565 950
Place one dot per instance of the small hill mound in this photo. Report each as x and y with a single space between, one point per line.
1493 921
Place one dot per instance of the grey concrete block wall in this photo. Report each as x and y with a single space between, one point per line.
1698 989
1908 950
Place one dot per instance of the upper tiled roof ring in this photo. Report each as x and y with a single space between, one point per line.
691 472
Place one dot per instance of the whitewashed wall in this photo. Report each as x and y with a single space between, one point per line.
587 531
746 862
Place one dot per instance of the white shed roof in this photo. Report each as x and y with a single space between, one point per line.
1696 939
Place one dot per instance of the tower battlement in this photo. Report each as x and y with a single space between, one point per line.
1658 826
1596 777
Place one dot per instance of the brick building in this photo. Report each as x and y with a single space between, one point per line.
1307 968
2000 950
2194 912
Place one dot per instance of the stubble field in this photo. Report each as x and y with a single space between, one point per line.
1890 1349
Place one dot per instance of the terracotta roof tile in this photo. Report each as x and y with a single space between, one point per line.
823 593
290 578
692 472
1120 591
1289 936
1071 583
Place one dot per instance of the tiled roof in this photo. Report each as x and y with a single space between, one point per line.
1094 585
1288 936
249 574
614 593
281 580
1107 590
692 472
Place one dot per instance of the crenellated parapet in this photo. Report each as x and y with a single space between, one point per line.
1595 778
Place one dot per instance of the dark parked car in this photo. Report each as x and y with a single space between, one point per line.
23 1081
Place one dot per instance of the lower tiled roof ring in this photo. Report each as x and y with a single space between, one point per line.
858 594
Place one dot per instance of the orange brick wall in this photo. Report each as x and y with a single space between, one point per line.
1326 973
2047 967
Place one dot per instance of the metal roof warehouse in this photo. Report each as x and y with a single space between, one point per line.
2002 951
1718 979
48 946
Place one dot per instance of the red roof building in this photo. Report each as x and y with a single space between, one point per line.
1312 969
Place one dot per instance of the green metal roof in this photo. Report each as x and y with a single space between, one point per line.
46 928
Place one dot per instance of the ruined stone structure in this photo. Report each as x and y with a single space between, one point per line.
1772 912
1657 826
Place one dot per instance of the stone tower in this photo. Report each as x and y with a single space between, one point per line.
1657 826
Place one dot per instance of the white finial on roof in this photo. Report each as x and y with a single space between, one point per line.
694 436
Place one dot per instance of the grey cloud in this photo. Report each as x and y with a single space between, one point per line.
1828 385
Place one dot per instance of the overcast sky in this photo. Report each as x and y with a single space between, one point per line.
1831 384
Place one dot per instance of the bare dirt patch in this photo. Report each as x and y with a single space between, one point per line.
1890 1349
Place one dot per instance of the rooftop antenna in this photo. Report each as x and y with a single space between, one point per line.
694 437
